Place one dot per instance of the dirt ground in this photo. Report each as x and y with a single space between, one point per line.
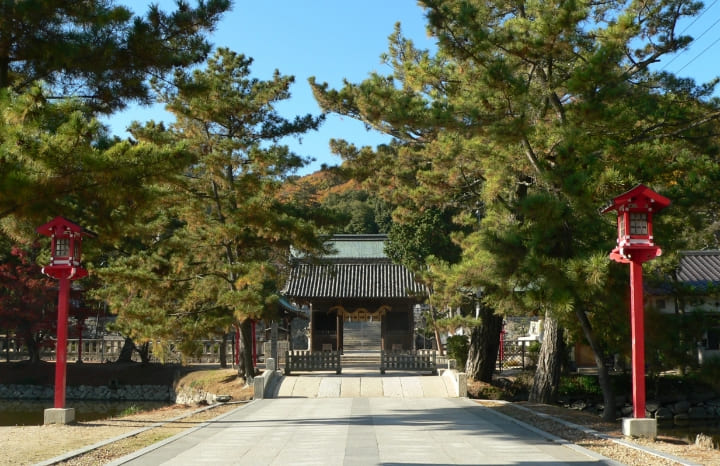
24 445
547 418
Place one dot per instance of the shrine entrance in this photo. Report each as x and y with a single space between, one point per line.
362 336
359 301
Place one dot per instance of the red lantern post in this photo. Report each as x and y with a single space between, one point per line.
64 265
635 245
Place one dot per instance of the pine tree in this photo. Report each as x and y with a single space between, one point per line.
97 51
530 117
222 234
61 64
57 159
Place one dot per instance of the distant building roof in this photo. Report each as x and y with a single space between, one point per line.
354 247
699 268
357 268
343 280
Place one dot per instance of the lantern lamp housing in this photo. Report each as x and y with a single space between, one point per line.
66 248
635 210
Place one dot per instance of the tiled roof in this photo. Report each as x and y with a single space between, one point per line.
354 247
380 279
699 267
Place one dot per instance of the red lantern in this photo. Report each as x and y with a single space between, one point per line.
635 210
65 266
635 245
66 248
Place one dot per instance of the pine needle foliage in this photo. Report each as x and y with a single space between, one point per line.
529 118
214 249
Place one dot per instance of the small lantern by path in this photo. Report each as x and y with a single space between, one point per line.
66 238
635 245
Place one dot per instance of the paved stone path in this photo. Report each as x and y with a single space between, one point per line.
363 431
364 385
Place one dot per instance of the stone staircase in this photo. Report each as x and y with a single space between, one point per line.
361 345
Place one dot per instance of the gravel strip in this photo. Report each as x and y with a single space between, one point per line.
606 439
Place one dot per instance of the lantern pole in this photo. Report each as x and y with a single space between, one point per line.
61 348
64 266
637 330
635 245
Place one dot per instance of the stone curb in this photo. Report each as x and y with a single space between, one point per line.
102 443
554 438
595 433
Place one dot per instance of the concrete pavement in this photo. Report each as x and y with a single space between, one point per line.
363 431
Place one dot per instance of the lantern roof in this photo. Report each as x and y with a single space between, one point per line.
639 193
61 224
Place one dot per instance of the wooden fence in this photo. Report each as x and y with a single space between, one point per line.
283 346
420 360
515 354
307 361
108 349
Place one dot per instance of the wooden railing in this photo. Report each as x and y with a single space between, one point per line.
420 360
108 349
307 361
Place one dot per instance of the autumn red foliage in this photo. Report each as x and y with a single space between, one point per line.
28 301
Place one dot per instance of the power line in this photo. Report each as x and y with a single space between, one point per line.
695 39
698 55
705 10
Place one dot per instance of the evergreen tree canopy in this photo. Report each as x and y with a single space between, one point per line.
529 118
56 159
213 248
97 51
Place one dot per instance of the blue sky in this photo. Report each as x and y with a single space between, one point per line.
336 39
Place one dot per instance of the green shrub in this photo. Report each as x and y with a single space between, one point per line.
579 386
457 349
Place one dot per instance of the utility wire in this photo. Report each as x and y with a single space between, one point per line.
705 10
695 39
698 55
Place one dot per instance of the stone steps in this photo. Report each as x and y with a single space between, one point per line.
361 359
361 336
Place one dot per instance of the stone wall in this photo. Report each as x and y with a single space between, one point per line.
87 392
700 405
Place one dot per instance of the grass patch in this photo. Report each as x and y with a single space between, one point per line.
130 410
216 381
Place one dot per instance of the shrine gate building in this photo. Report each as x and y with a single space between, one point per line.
358 299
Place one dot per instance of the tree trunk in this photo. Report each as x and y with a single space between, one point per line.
223 351
436 331
144 352
603 374
33 349
484 346
127 351
547 374
31 344
246 368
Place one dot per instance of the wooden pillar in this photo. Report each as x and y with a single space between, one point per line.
410 329
274 340
311 343
339 332
61 344
383 331
637 326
